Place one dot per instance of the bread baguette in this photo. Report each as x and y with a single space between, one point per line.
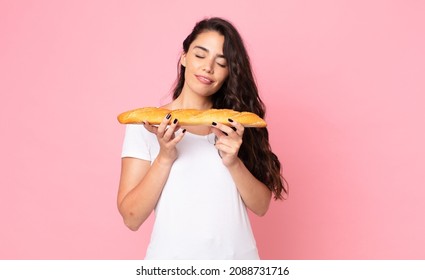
188 117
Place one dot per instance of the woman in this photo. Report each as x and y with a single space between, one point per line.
200 179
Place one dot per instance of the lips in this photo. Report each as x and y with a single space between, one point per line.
204 80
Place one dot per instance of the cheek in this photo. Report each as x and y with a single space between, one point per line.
223 76
193 64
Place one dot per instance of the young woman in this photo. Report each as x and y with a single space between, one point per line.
200 179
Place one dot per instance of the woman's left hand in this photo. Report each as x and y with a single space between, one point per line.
254 193
229 140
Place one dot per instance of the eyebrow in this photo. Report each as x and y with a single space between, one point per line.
206 50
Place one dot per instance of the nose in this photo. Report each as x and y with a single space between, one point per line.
209 66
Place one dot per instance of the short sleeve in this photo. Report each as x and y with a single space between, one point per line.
135 144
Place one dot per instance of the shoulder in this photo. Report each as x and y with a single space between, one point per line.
168 106
138 142
136 130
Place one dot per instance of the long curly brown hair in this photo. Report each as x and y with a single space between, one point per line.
239 92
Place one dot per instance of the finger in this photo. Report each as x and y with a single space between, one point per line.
226 149
232 144
236 130
163 126
217 132
237 127
179 137
151 128
169 133
226 130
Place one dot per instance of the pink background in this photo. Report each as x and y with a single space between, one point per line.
343 81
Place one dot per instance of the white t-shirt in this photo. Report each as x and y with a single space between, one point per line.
200 214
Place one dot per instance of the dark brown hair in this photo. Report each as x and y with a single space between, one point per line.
239 92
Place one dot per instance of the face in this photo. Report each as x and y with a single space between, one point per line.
206 67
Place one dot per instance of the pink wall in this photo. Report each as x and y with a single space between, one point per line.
344 82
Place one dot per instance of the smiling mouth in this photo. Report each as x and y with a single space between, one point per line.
204 80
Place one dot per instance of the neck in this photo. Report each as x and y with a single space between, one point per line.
191 102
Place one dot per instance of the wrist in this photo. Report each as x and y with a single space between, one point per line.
234 164
164 161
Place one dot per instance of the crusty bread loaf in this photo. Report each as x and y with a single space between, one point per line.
191 116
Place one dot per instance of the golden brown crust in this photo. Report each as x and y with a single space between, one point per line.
191 116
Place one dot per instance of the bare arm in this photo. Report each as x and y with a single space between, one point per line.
254 193
141 183
140 188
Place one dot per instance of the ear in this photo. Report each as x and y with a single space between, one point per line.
183 60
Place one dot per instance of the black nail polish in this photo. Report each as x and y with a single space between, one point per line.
175 121
230 120
225 133
214 123
168 116
184 130
234 128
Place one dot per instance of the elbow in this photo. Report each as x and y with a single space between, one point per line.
129 219
262 208
261 212
131 225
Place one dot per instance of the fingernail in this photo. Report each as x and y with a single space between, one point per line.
225 133
214 123
175 121
168 116
230 120
234 128
184 130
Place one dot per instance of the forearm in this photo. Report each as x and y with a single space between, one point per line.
138 204
254 193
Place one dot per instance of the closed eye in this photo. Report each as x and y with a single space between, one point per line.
221 61
222 65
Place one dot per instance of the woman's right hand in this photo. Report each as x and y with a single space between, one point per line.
166 138
142 181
